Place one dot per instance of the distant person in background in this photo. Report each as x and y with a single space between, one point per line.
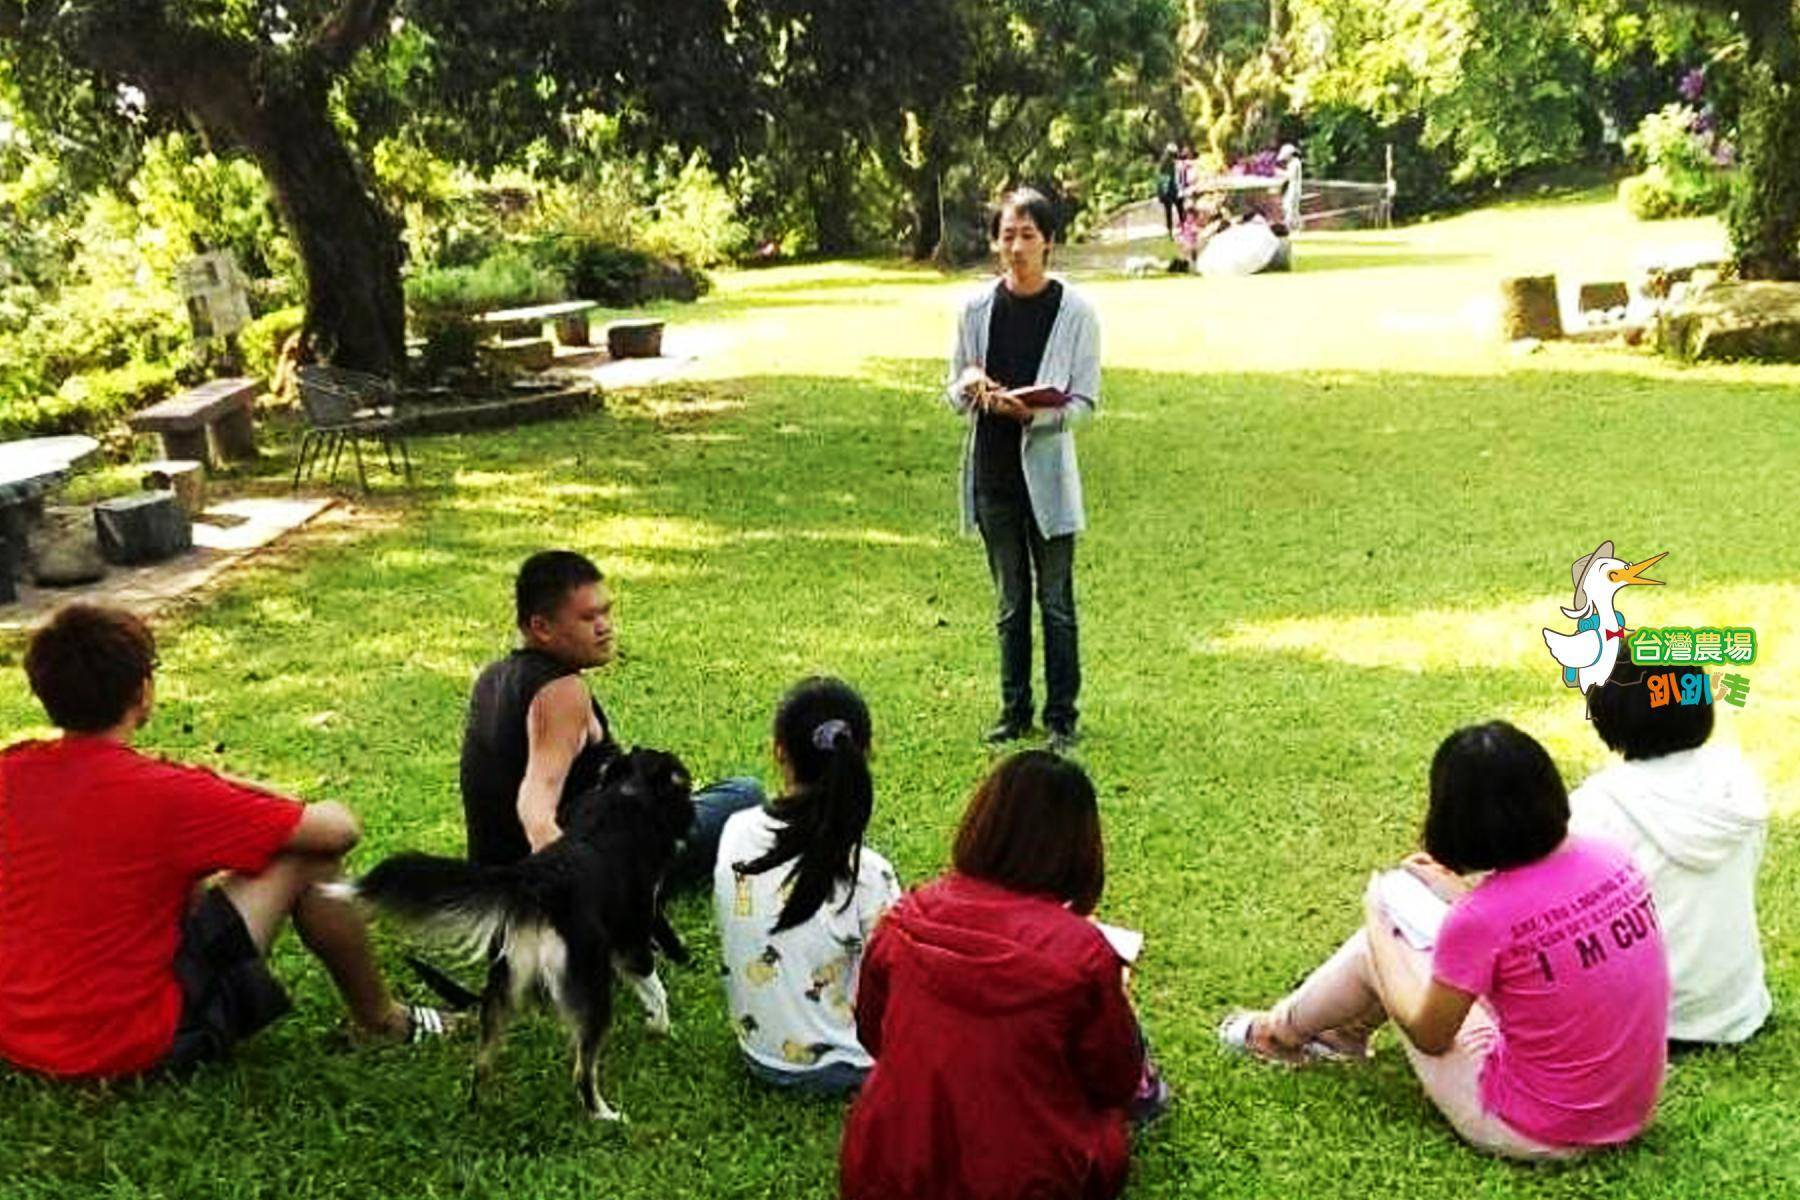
1021 487
1168 189
1187 170
1288 159
1187 233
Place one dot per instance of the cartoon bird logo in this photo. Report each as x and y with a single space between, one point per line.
1587 655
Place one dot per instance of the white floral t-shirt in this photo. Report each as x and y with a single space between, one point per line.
792 995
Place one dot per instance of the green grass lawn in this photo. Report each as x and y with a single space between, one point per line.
1328 516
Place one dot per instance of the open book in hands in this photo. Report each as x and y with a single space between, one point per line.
1126 943
1416 911
1038 396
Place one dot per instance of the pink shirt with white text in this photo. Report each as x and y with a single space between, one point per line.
1567 955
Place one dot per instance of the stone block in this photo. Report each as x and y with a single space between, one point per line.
1602 296
65 547
634 339
521 354
185 477
572 330
1529 308
144 527
9 590
1758 320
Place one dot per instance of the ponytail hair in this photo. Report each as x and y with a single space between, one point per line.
823 728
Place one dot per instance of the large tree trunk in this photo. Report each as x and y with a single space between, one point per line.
925 199
1765 211
355 310
832 197
275 104
916 167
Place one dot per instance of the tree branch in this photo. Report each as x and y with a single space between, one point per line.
354 25
178 66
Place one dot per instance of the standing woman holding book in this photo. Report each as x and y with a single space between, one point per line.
1025 374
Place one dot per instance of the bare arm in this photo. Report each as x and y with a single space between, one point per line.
325 828
1428 1012
1444 883
556 728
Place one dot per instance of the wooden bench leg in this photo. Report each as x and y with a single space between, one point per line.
235 434
187 443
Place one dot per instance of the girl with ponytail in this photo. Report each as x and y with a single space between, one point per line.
797 895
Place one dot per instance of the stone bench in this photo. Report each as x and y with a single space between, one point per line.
145 527
634 339
521 354
569 316
221 407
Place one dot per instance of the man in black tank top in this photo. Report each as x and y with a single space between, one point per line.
536 738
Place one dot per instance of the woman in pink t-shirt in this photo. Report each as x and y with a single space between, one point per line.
1536 1020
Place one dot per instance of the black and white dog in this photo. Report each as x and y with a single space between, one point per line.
562 921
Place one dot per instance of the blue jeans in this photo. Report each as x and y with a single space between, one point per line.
713 806
832 1079
1016 552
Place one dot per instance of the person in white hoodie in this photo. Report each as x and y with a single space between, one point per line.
1695 820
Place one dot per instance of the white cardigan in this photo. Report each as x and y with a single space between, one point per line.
1695 822
1071 362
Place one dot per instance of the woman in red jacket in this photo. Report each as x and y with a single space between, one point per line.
1006 1052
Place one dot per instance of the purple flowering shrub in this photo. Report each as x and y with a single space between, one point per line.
1261 163
1687 158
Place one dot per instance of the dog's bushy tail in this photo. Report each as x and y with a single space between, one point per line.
448 900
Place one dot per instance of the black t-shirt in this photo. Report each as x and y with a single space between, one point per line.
496 747
1018 330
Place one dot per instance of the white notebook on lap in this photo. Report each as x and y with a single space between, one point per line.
1416 910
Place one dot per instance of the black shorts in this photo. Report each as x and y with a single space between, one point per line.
227 993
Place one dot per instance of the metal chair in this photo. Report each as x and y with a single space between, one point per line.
344 406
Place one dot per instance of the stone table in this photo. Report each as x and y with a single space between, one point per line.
28 468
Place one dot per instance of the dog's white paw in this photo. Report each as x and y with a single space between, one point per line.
659 1024
608 1113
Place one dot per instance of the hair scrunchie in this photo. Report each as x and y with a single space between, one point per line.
826 735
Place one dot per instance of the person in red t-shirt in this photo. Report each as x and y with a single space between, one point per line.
116 957
1008 1061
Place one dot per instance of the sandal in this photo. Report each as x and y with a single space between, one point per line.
425 1024
1237 1033
1339 1048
